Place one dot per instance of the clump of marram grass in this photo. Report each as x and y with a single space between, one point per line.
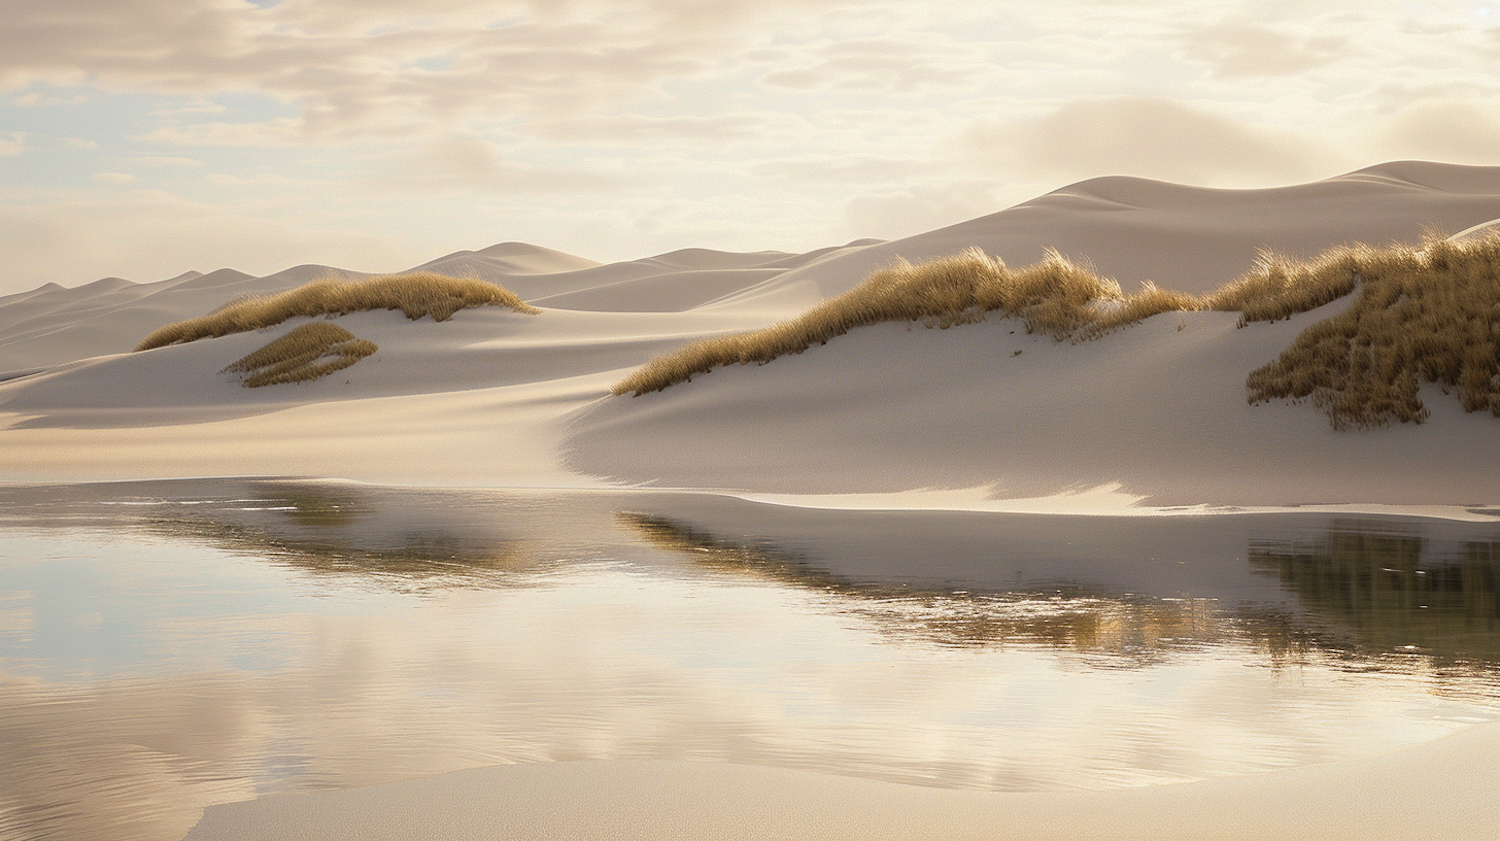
1428 314
1053 296
305 353
417 294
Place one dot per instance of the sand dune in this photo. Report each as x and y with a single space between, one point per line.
1189 238
53 325
1158 409
1155 412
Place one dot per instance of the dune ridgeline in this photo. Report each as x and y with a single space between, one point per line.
1428 313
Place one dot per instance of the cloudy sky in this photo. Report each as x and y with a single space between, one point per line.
143 138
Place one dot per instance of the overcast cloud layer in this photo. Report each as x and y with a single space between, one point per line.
143 138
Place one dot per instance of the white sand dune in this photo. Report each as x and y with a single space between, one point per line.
1189 238
1156 411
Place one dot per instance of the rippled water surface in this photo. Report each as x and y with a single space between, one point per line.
167 646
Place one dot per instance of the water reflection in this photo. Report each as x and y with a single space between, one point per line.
168 646
1132 630
1392 592
1135 630
324 536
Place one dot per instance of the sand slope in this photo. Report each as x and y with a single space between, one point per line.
1157 409
1156 412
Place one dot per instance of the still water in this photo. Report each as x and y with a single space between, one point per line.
167 646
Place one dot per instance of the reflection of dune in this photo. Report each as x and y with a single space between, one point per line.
676 640
428 560
1137 629
319 530
1394 596
402 538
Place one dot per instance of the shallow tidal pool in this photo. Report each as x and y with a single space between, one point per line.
168 646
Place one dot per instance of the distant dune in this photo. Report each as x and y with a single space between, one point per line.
1156 413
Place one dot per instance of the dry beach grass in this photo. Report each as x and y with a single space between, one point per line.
305 353
1054 296
417 294
1428 313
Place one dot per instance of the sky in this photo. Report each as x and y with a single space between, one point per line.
144 138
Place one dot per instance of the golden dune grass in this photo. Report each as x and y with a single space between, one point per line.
417 294
1424 314
1054 296
1429 315
305 353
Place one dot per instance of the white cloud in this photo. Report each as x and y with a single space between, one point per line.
354 69
121 178
1245 48
888 65
13 145
473 165
849 169
1154 138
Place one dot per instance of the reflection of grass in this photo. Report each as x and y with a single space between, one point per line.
321 506
1374 581
1383 588
1138 629
305 353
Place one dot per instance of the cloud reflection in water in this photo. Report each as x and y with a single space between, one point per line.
292 636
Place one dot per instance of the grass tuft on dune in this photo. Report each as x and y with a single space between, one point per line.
1428 313
1054 296
417 294
305 353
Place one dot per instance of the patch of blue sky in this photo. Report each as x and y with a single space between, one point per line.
71 135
